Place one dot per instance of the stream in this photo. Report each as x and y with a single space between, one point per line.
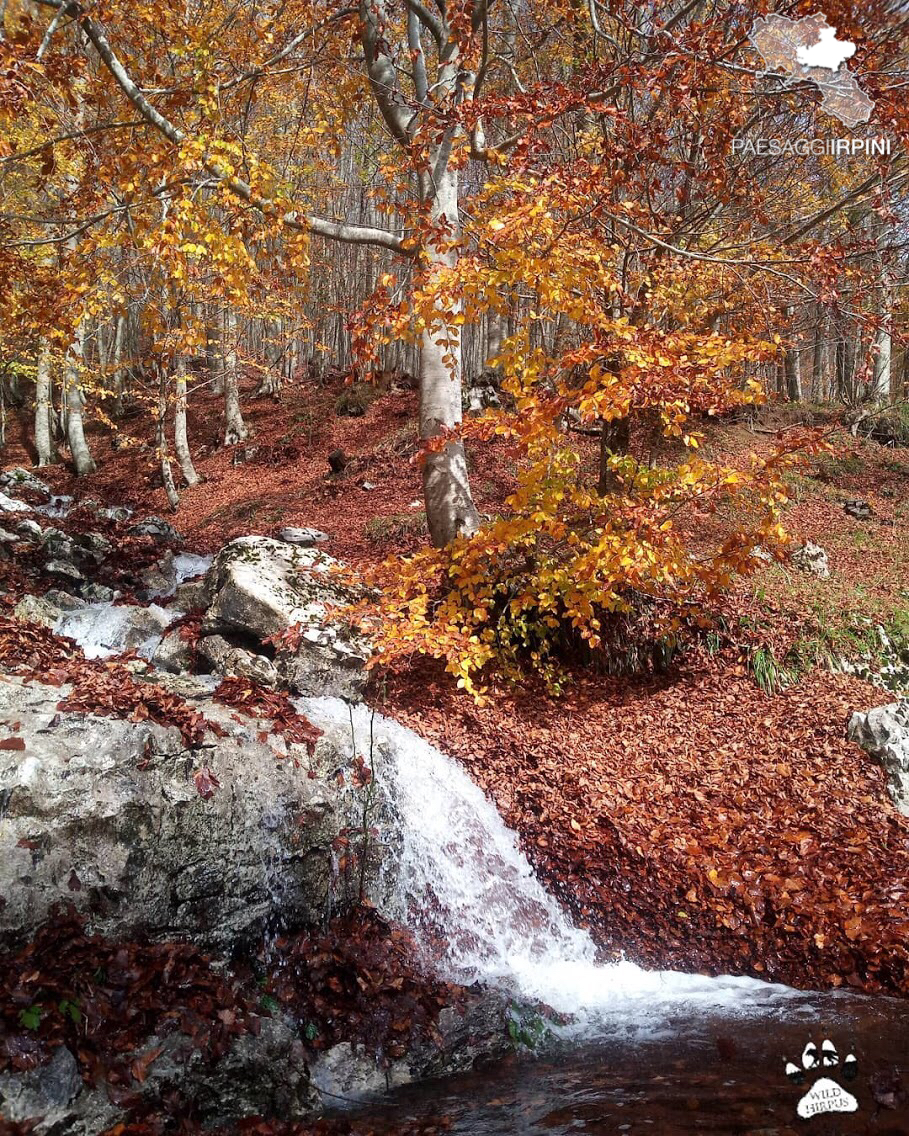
713 1073
627 1050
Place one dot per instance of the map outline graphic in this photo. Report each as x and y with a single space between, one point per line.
785 44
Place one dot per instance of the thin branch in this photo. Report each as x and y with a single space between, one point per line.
21 154
351 234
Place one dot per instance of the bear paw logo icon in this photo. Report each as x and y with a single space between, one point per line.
825 1094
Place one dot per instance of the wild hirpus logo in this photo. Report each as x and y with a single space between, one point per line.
825 1094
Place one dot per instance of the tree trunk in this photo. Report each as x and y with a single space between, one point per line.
116 360
495 335
615 437
883 358
75 433
167 474
44 436
234 427
181 443
450 511
792 371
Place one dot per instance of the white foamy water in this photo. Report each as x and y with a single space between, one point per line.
464 886
188 565
103 629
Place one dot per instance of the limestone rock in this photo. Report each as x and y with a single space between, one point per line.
173 653
229 660
11 505
884 734
20 478
305 537
158 528
258 587
29 529
64 571
811 558
44 1093
160 578
37 609
107 814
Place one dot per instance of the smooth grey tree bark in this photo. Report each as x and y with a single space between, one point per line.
181 441
75 431
235 429
44 409
167 474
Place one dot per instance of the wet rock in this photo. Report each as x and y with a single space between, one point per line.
11 505
260 1075
884 734
20 478
345 1073
811 558
306 538
37 609
64 570
189 596
94 545
229 660
467 1035
159 579
30 530
861 510
43 1094
258 587
57 543
173 654
98 593
108 814
158 528
64 600
119 513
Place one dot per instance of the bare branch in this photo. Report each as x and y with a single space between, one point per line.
429 20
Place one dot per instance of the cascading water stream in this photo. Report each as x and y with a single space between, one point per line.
462 885
456 877
105 628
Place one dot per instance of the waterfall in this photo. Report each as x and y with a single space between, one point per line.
462 885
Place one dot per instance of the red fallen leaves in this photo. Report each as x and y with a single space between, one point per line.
100 687
206 782
260 702
118 1006
12 743
361 980
103 1000
696 823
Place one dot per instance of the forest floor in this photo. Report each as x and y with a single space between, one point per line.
692 819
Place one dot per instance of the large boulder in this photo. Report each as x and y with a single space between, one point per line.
258 587
149 837
884 733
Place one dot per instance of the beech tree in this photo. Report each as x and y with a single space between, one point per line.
499 122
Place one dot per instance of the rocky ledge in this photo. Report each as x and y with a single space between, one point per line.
167 807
